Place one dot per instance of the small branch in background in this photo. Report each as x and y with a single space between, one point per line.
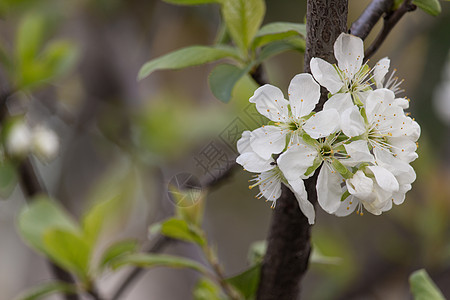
217 181
390 21
159 244
370 16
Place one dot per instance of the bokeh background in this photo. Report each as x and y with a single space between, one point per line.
110 126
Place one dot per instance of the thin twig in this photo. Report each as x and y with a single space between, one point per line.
370 16
389 22
160 243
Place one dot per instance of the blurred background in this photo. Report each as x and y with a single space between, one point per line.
117 132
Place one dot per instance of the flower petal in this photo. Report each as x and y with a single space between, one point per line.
401 102
298 188
271 186
268 140
322 123
304 94
380 70
339 102
352 123
358 152
270 103
296 160
254 163
349 53
360 185
329 190
326 75
243 144
387 160
384 178
377 102
347 206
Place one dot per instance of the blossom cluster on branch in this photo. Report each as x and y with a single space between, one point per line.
362 142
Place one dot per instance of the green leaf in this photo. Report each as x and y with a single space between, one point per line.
317 257
30 36
186 57
423 287
243 18
246 282
277 31
117 250
190 2
59 57
157 260
181 230
338 166
8 178
69 250
205 289
46 289
222 80
277 47
40 216
432 7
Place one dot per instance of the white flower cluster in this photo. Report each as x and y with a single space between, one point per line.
362 137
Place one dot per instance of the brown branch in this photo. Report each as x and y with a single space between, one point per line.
288 250
370 16
389 22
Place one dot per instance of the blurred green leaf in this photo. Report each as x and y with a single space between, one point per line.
432 7
277 47
59 57
181 230
243 18
8 178
117 250
222 80
423 287
257 252
318 257
191 2
46 289
186 57
40 216
278 31
69 250
206 289
157 260
246 282
29 39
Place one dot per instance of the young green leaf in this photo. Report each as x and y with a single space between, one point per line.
222 80
191 2
206 289
246 282
69 250
46 289
181 230
423 287
277 47
29 38
186 57
243 18
40 216
157 260
432 7
277 31
117 250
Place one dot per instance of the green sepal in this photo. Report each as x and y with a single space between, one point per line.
356 100
317 162
309 140
364 115
345 195
338 166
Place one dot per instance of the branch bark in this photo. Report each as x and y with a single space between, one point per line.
370 16
287 256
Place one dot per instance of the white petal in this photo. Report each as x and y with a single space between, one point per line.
243 144
326 75
322 124
252 162
329 190
401 102
339 102
360 185
399 197
359 153
296 160
298 188
349 53
347 206
270 103
380 70
404 148
352 123
271 186
304 94
384 178
376 103
387 160
268 140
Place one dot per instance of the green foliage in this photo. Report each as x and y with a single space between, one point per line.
46 289
247 282
206 289
8 178
432 7
423 287
186 57
222 80
243 18
144 260
181 230
278 31
116 251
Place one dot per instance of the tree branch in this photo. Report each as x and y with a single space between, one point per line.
389 22
288 250
370 16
